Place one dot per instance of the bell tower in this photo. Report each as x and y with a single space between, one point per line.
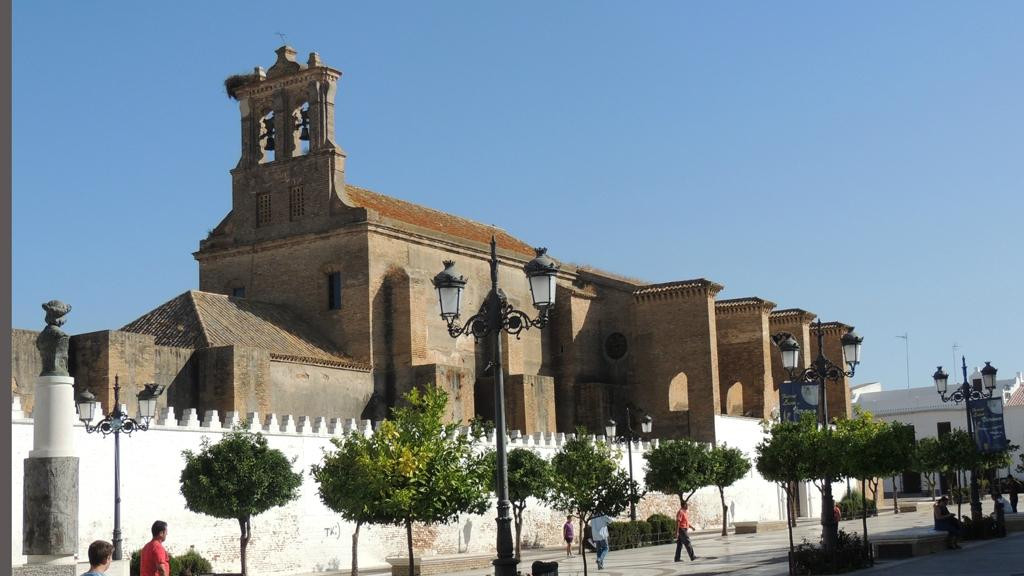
290 178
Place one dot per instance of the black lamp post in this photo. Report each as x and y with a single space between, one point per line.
496 315
115 423
821 369
645 426
964 393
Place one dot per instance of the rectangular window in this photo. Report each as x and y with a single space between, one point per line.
334 291
296 203
263 210
943 428
238 292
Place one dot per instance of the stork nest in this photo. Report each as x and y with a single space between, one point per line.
233 83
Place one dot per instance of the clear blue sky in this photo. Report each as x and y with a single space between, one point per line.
861 160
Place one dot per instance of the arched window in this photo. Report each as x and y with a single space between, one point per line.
678 400
268 140
733 399
300 133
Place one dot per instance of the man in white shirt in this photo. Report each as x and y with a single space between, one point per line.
599 530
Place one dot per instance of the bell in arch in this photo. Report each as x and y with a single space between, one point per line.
268 133
304 125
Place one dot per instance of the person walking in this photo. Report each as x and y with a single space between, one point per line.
154 561
568 534
599 531
100 554
1013 487
682 529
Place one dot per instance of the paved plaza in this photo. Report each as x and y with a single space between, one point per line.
764 554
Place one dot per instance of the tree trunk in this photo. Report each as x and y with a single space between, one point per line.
864 515
355 550
246 528
517 514
725 512
895 497
789 525
408 540
583 544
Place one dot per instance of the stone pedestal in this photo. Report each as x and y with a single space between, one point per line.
50 504
50 519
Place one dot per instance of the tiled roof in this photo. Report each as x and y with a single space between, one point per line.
743 302
699 283
1018 397
436 220
203 320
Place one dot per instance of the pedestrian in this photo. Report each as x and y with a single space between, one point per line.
946 521
154 561
999 507
682 529
599 530
568 534
100 554
837 514
1013 487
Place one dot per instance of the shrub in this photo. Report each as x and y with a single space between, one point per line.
663 528
983 529
851 504
191 561
623 535
850 554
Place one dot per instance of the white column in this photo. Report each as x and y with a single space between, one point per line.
54 417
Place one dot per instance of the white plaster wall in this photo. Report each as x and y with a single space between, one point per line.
305 536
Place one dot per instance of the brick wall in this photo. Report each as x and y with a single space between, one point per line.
744 356
676 345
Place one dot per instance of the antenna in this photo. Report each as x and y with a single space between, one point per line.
906 339
956 348
284 38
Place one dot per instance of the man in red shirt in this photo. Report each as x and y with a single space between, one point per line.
154 560
682 527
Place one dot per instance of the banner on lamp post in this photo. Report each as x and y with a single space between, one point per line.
989 430
796 398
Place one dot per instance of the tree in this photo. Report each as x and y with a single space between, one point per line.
350 483
783 457
238 477
927 459
586 481
529 476
726 466
679 467
427 470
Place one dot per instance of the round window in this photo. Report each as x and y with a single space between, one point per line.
615 345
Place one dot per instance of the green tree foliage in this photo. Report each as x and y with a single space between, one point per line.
587 482
785 457
350 483
238 477
529 476
679 467
726 466
928 460
426 470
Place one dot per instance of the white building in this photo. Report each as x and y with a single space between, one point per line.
923 409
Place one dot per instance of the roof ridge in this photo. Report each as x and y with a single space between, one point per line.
199 318
425 207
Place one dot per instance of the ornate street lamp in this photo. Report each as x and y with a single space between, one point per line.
115 423
964 393
821 369
496 315
646 423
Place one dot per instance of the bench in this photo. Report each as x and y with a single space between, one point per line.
754 527
908 542
439 564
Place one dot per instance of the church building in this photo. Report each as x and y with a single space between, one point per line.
315 299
